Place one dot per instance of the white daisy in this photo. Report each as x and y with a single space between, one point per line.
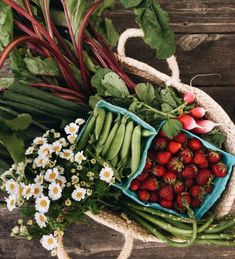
63 142
12 187
67 154
41 161
72 138
51 174
37 189
42 204
39 179
79 121
56 147
61 180
71 129
11 202
55 191
60 169
79 194
49 242
40 141
27 192
74 179
41 219
79 157
29 151
45 150
106 174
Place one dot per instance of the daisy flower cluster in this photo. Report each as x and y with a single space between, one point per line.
54 184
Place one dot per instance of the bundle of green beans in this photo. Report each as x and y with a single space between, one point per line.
183 232
115 138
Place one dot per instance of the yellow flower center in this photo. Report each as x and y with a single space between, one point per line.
72 130
106 174
12 202
28 190
43 203
80 157
56 148
36 191
12 186
52 176
42 218
50 241
40 142
55 190
79 195
66 154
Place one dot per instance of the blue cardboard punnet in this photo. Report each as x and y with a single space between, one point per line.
219 183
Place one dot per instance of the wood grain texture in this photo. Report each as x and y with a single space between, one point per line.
205 35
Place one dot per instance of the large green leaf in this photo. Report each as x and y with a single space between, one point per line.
21 122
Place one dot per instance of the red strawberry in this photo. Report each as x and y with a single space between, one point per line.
200 160
148 164
160 143
166 203
189 182
163 157
184 199
143 176
178 187
181 138
203 177
194 144
208 188
169 177
166 192
174 147
196 191
154 196
194 168
196 203
177 208
150 184
143 195
135 185
219 169
186 155
162 134
158 170
214 157
175 165
188 172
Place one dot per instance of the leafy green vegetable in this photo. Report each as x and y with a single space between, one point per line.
38 66
21 122
6 81
96 80
94 100
215 137
131 3
172 127
145 92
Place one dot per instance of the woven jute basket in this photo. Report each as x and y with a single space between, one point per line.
120 223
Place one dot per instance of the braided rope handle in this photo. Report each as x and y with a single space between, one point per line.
172 63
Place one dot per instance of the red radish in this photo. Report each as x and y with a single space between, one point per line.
175 165
143 176
203 177
214 157
135 185
189 97
186 155
158 170
184 199
166 203
181 138
196 191
195 144
163 157
174 146
178 187
188 122
150 184
189 182
196 203
166 192
200 160
198 112
169 177
143 195
188 172
204 126
148 164
219 169
154 196
160 143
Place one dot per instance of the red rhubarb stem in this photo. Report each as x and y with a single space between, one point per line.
67 97
47 17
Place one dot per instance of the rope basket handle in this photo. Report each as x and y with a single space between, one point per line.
171 61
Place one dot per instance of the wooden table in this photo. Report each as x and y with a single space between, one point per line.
205 34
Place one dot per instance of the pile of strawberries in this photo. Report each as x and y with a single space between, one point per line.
178 172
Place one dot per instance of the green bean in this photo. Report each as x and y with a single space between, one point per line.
117 140
106 129
216 237
127 140
216 242
178 224
86 134
221 227
147 133
135 149
114 161
110 137
99 122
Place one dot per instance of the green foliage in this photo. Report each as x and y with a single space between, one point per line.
215 137
145 92
172 128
